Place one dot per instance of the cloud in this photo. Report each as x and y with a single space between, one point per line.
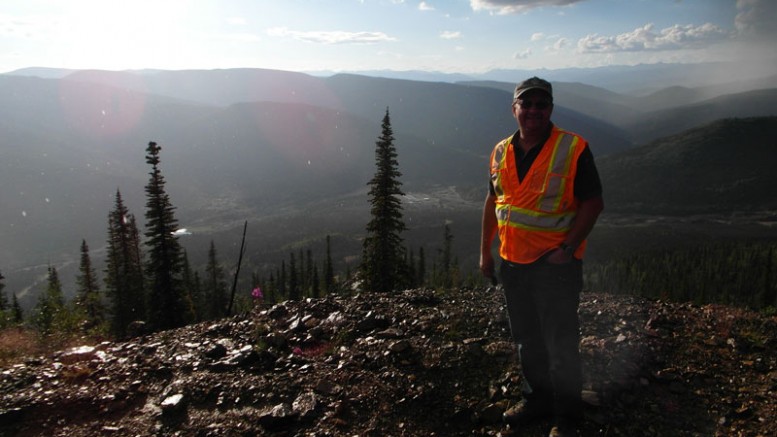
24 27
449 34
756 19
560 44
645 39
236 21
331 37
505 7
537 36
240 37
424 6
522 55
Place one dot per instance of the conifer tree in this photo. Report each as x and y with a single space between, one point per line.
5 313
193 287
16 310
411 269
272 288
382 264
216 299
88 296
169 307
124 282
309 280
446 254
421 270
315 290
3 298
329 275
282 288
51 304
293 284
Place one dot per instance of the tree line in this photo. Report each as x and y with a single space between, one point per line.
742 273
149 284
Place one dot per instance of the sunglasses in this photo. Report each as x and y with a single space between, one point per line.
539 104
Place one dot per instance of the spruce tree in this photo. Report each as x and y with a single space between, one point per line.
411 269
168 305
124 281
16 310
329 275
193 287
5 312
88 296
382 264
282 288
446 258
216 287
50 308
3 298
309 280
315 290
421 270
293 283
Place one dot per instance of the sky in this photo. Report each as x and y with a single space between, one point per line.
451 36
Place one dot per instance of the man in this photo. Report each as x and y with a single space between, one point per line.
544 198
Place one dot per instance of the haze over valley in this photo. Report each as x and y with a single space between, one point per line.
291 153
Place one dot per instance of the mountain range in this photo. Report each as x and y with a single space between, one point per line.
292 153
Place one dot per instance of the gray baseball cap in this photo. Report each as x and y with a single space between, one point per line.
533 83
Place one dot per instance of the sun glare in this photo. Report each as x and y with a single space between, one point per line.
123 35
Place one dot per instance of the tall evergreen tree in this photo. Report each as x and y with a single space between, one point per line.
124 282
50 308
293 283
88 297
309 280
169 307
421 270
16 310
446 258
315 290
5 313
3 298
272 290
193 286
411 269
283 292
382 264
329 275
216 299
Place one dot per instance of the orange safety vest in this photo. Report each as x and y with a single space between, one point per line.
535 215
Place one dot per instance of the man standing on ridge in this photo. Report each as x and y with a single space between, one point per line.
544 198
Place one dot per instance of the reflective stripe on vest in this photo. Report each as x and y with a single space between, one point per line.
533 220
563 151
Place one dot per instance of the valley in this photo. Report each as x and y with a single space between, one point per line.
291 154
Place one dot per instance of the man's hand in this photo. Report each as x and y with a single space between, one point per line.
487 264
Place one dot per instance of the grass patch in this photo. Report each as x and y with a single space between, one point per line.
16 344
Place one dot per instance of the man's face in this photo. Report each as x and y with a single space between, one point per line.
532 110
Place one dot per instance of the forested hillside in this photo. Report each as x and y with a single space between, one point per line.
722 168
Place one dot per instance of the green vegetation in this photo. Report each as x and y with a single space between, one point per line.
88 302
738 273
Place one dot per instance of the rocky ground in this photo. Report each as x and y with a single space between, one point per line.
416 363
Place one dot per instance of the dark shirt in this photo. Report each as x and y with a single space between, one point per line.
587 183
